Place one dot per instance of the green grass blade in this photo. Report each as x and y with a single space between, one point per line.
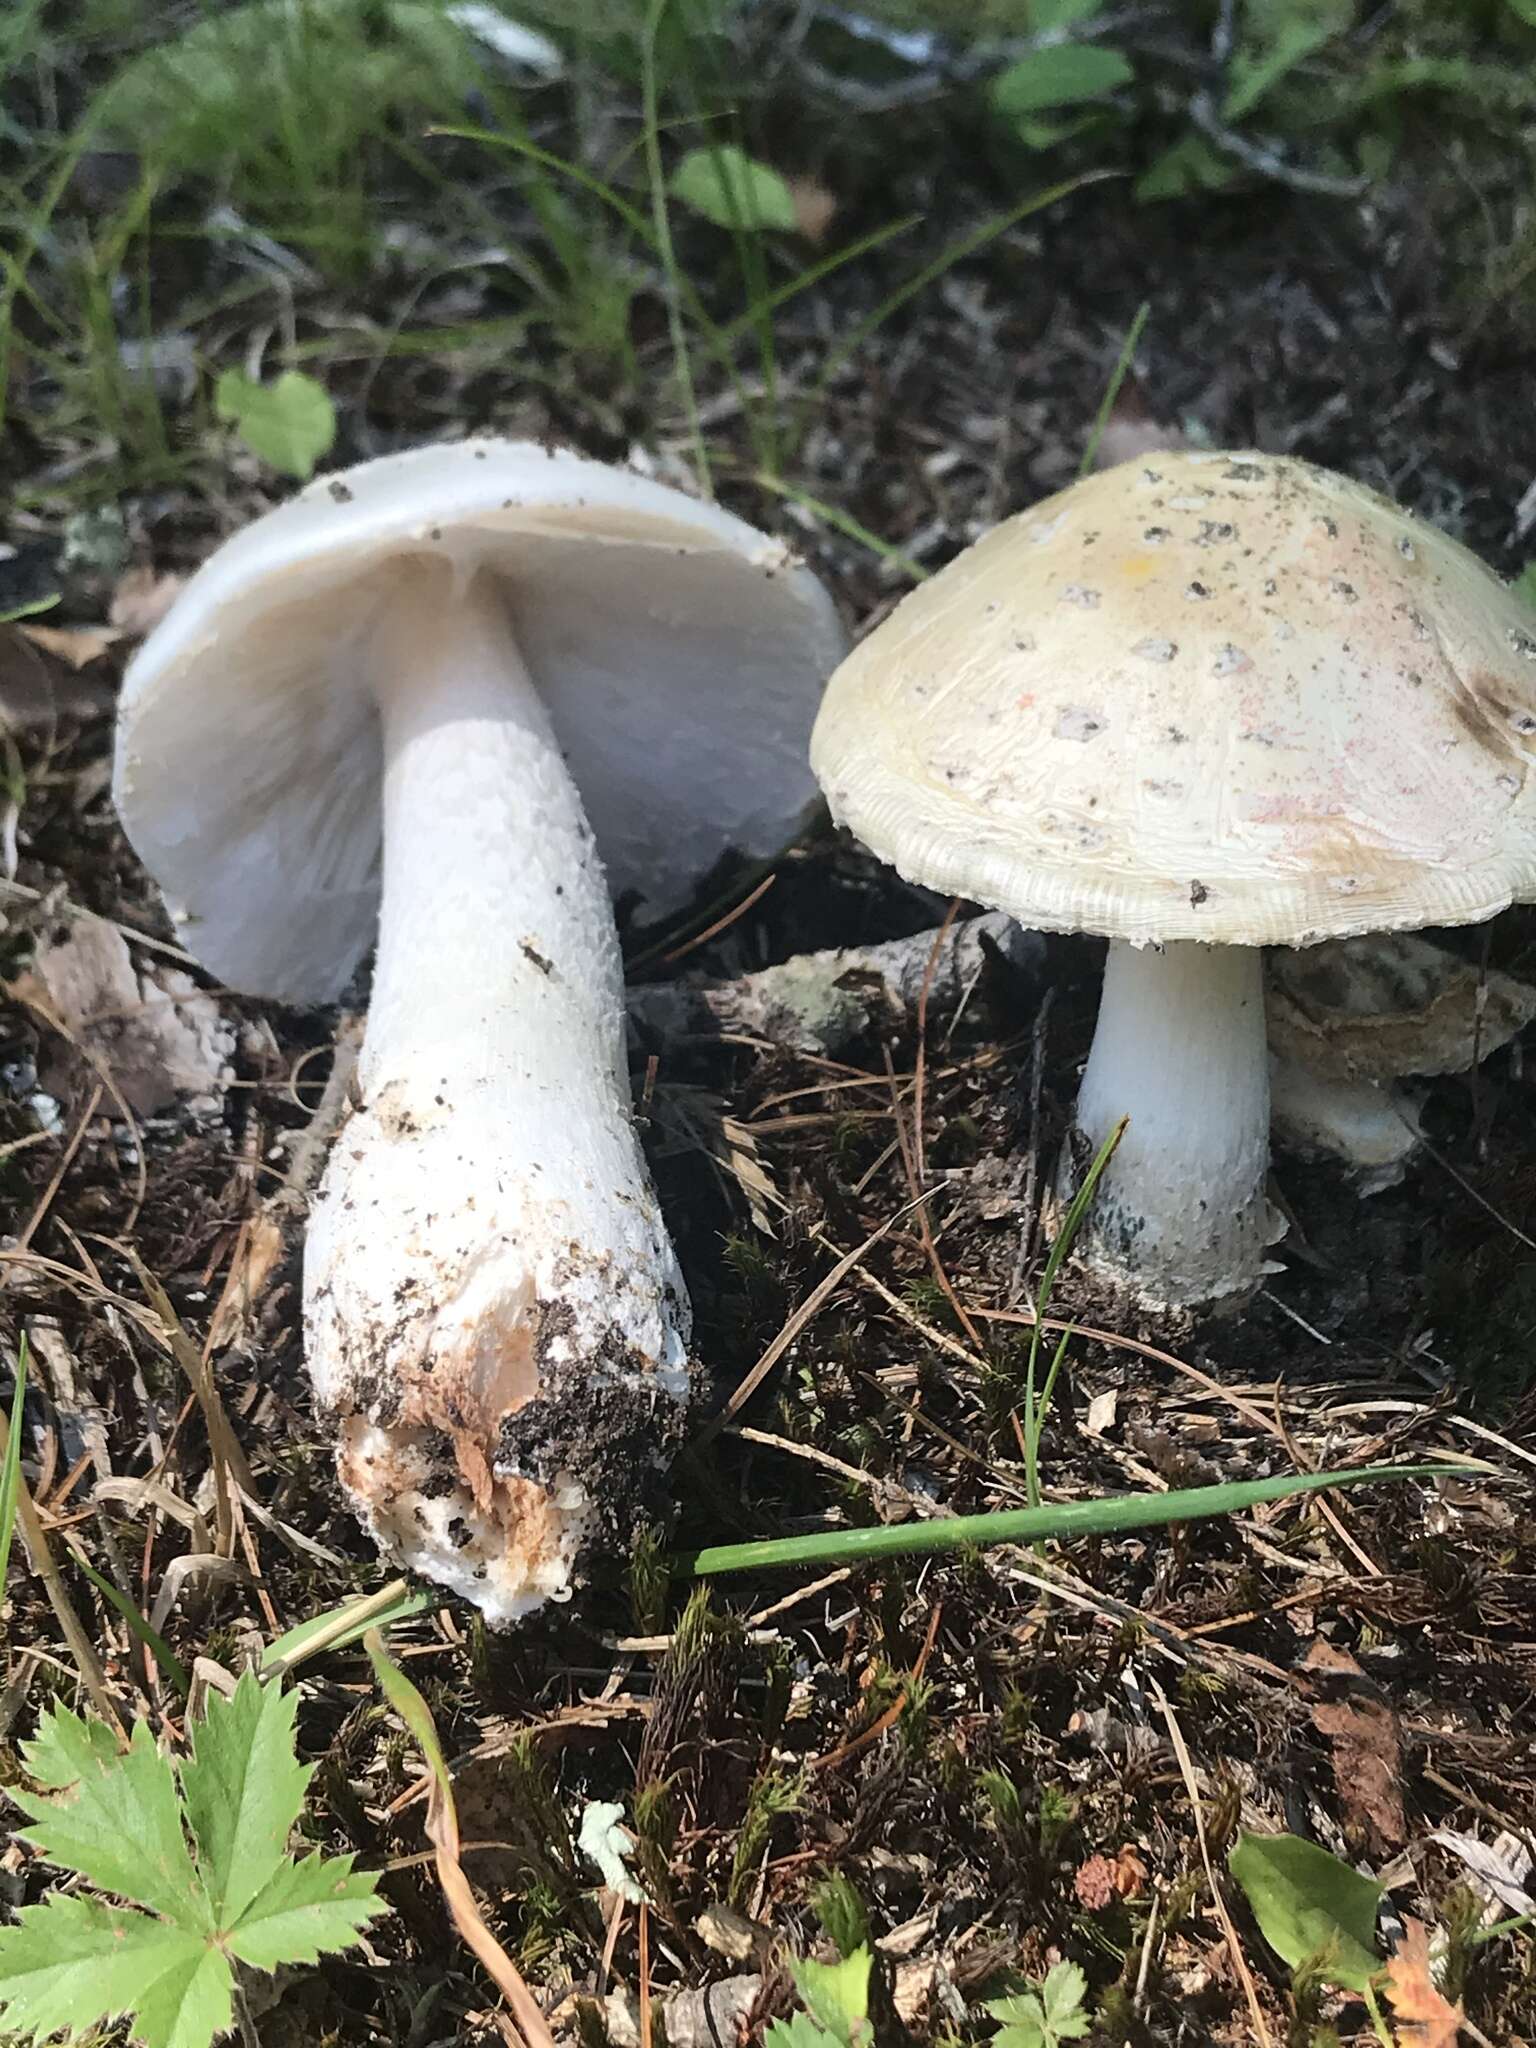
802 281
30 610
175 1671
844 523
1037 1405
413 1710
661 216
10 1467
956 252
339 1627
1064 1521
1112 390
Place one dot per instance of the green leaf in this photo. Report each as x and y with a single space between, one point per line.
836 1995
1190 165
1064 1995
65 1747
120 1826
1051 2012
1044 14
227 89
1021 2021
1311 1908
119 1820
800 2031
1061 75
70 1963
1036 132
1525 10
1257 71
244 1789
733 190
306 1910
289 424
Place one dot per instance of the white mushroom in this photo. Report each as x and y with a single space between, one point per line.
1201 703
374 709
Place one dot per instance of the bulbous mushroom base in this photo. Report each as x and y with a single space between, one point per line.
1180 1222
512 1445
502 1354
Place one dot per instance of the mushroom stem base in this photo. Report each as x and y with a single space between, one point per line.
495 1319
1180 1220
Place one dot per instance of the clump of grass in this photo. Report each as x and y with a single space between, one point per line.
774 1793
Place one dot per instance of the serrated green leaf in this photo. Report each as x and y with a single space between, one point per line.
188 2005
1049 2013
1061 75
733 190
1311 1908
836 1995
71 1962
289 424
120 1826
65 1746
1064 1995
1021 2021
800 2031
306 1910
243 1789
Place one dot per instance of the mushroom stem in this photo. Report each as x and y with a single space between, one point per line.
1180 1220
494 1315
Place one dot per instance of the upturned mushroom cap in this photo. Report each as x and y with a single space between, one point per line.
679 654
1225 697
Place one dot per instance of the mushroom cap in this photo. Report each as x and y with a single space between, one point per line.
679 652
1228 697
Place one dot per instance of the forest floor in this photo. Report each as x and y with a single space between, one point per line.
1012 1757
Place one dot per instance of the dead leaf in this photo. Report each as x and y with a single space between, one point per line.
1500 1871
37 687
76 646
1365 1745
1388 1004
1130 1873
815 207
157 1035
1425 2016
142 599
1131 430
1100 1418
257 1251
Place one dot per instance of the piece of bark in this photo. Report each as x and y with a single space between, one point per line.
1365 1745
821 1002
1387 1004
159 1036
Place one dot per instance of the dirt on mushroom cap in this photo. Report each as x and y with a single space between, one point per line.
1228 697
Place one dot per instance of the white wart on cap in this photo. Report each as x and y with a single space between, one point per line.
373 711
1227 699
